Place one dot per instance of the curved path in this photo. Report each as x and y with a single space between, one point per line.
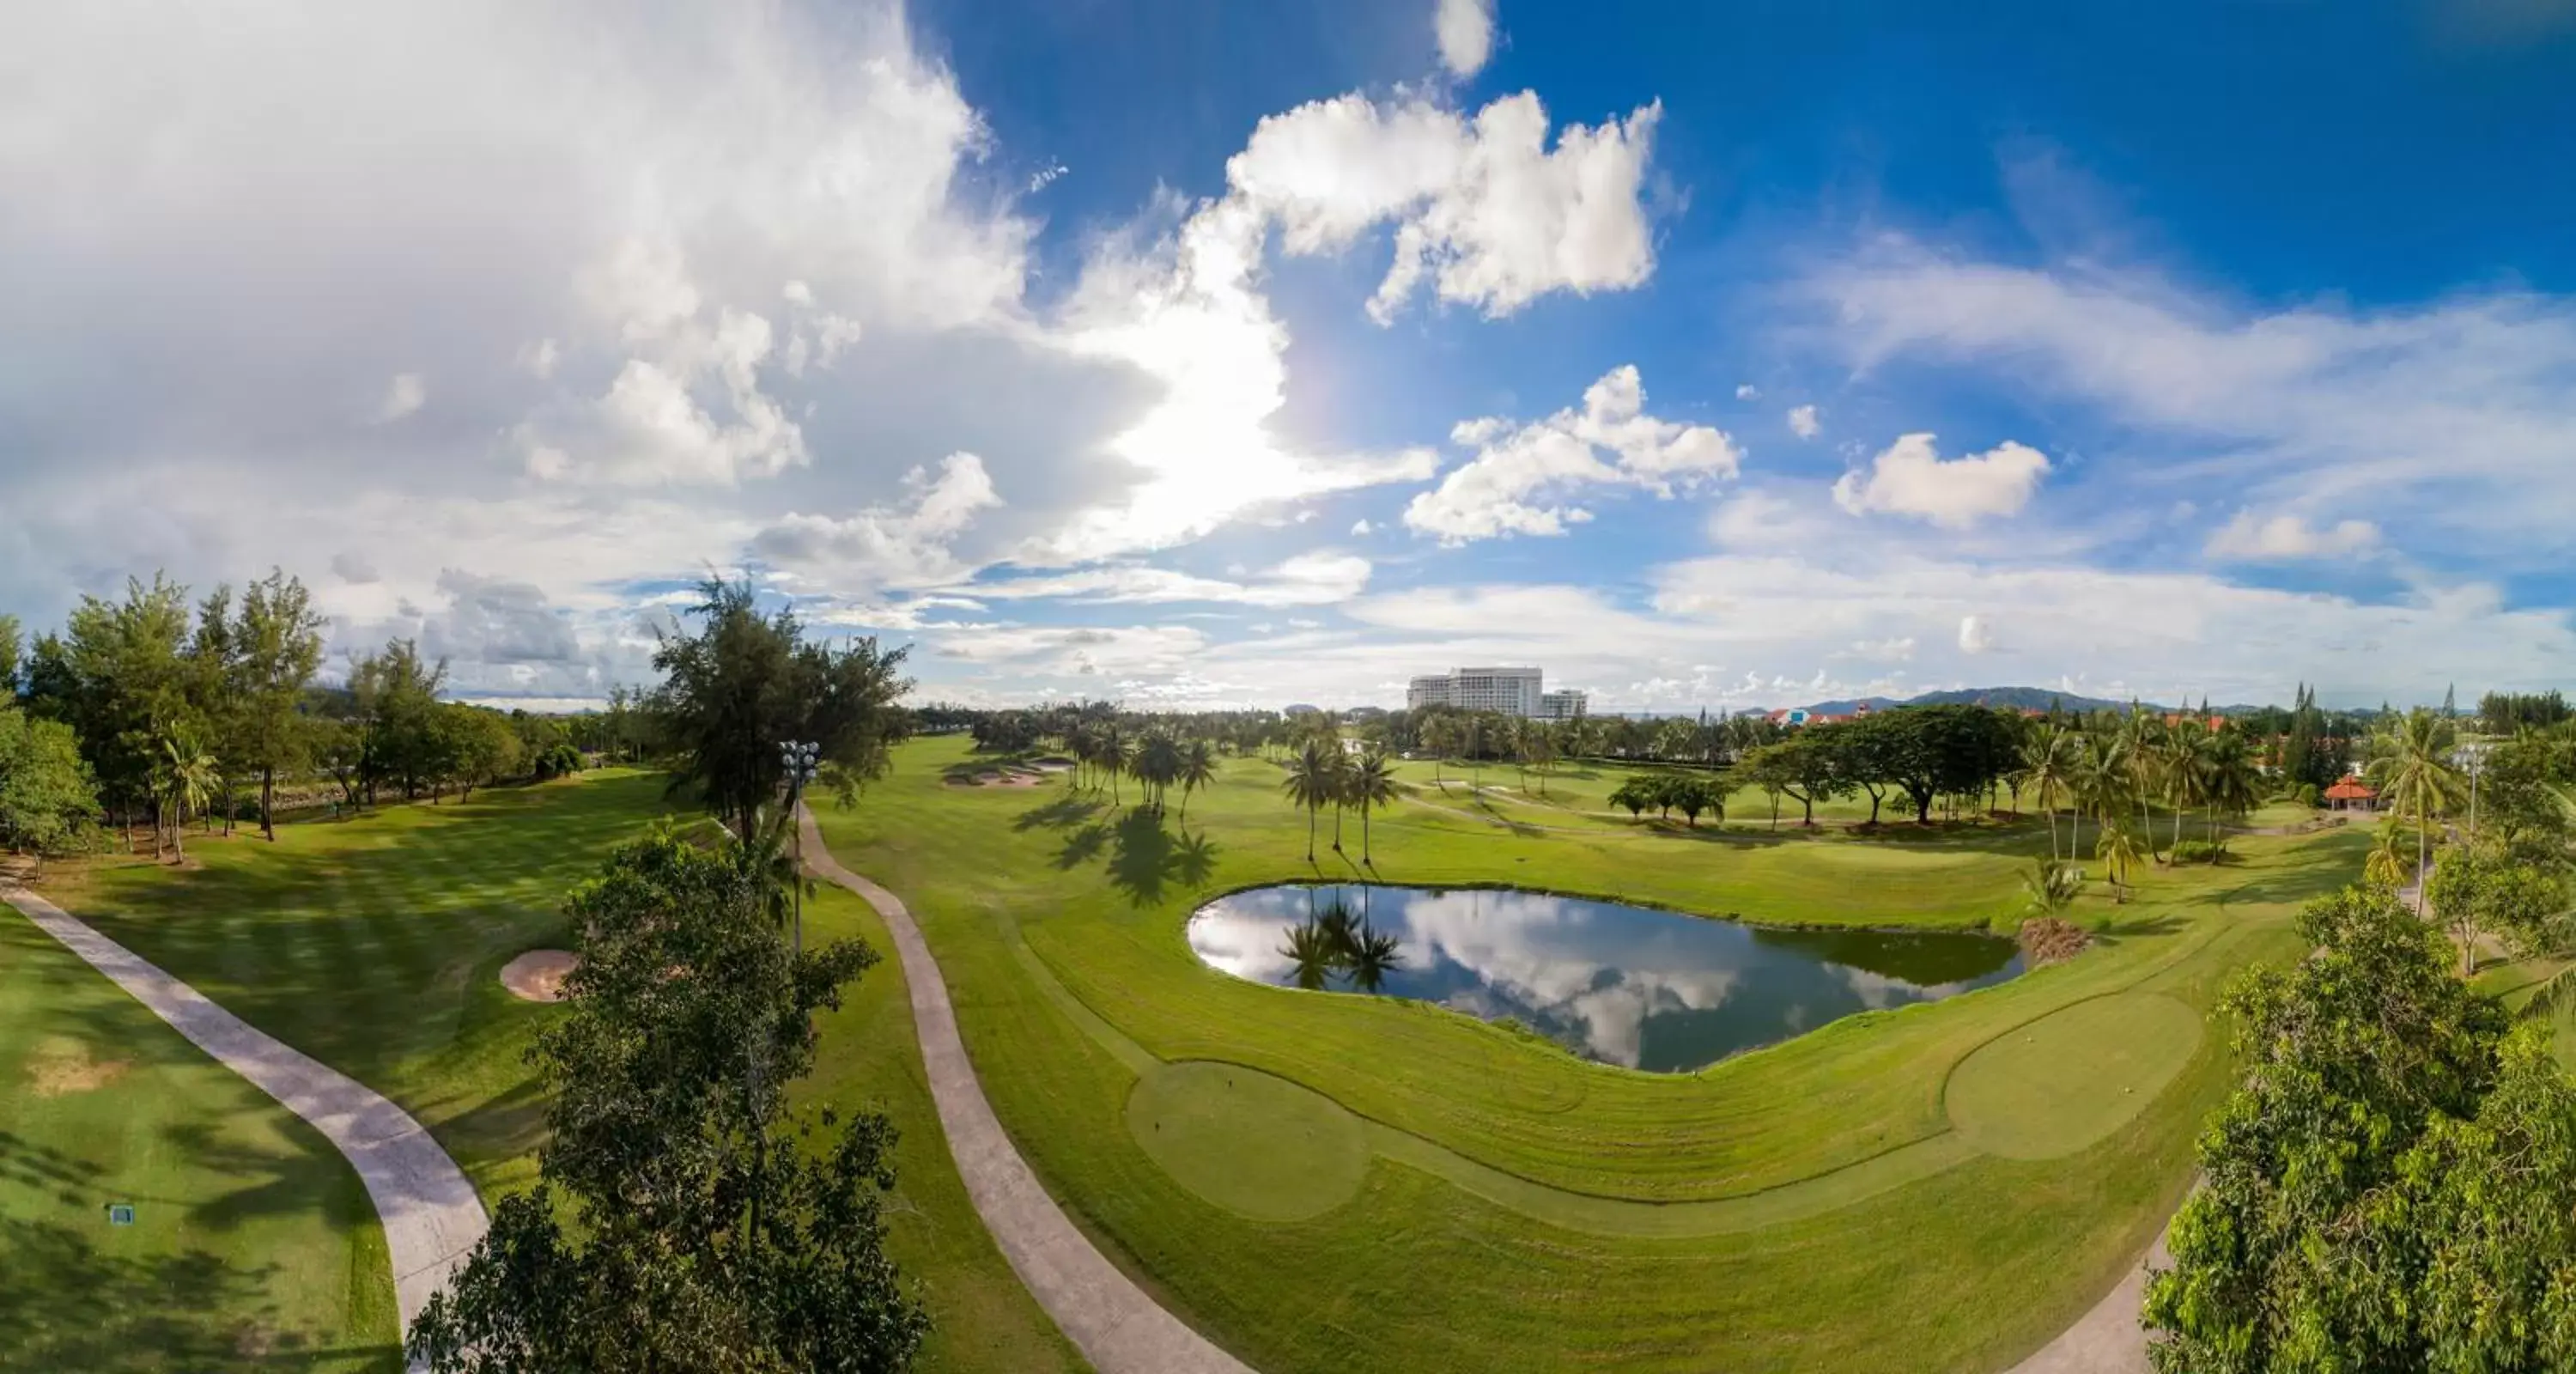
2107 1339
431 1215
1116 1325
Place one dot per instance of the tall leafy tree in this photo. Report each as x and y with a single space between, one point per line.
46 801
277 647
116 675
744 683
682 1220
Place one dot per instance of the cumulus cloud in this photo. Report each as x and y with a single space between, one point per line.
1747 391
1465 29
404 395
1976 634
1485 212
903 544
2251 538
1803 422
1910 478
1523 475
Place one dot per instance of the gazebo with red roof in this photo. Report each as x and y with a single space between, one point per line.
2352 794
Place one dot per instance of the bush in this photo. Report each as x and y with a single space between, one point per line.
2195 852
2049 940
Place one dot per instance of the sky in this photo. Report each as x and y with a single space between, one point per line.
1209 355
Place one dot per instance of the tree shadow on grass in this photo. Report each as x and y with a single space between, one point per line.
68 1306
271 1183
1064 811
1143 859
27 1164
1082 846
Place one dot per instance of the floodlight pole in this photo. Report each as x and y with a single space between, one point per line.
801 760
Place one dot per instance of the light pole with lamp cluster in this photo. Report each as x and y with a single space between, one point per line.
801 760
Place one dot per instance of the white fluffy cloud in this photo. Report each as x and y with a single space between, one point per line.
1465 29
1804 423
1524 476
1309 579
899 545
404 395
1976 634
2253 539
1909 477
1484 210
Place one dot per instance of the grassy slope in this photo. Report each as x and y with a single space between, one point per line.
251 1236
1964 1270
374 944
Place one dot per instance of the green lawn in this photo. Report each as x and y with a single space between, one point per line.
1816 1205
253 1245
374 944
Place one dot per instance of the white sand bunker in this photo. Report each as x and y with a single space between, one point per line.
538 975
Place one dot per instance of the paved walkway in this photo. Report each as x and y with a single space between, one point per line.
430 1213
1118 1328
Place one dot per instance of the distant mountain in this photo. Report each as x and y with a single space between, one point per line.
2018 698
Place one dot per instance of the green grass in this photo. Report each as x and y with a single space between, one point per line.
2072 1077
1259 1145
1842 1222
253 1244
374 944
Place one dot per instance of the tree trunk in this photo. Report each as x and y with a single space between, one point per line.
268 802
1310 834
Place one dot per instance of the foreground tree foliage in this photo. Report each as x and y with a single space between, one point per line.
682 1223
2388 1188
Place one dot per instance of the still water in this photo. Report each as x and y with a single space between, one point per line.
1622 984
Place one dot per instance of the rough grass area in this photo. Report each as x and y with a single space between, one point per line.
253 1245
376 943
1866 1232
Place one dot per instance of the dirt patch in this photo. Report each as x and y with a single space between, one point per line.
538 975
62 1067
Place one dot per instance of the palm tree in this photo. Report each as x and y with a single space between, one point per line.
1435 735
1110 752
1371 785
1311 784
2118 850
2180 756
1157 766
2412 767
184 776
2101 783
2144 733
1198 769
2047 763
2051 887
2386 864
2231 783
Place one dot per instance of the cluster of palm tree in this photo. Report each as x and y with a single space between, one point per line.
1323 773
1334 941
1158 760
2117 768
2412 765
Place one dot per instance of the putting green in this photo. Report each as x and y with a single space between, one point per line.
1250 1142
2072 1077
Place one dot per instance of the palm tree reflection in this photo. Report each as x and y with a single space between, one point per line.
1334 941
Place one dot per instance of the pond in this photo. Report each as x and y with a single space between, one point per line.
1631 985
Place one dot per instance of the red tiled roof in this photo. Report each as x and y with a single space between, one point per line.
2351 789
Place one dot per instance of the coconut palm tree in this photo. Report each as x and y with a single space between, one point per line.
2411 766
2145 735
2118 850
2100 782
2047 766
2386 864
1312 783
1111 752
1436 735
2179 753
1157 766
2231 783
2051 887
1198 769
1370 784
184 776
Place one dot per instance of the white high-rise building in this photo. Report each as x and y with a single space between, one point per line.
1512 691
1563 704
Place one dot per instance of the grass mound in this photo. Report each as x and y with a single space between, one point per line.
1254 1144
2071 1078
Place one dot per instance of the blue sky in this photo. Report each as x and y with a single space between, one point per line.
1242 354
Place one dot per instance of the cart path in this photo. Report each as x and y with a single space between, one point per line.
1116 1325
2107 1339
430 1213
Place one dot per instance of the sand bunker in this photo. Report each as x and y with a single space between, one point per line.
61 1067
1013 776
538 975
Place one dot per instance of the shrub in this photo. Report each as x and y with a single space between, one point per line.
2195 852
2050 940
